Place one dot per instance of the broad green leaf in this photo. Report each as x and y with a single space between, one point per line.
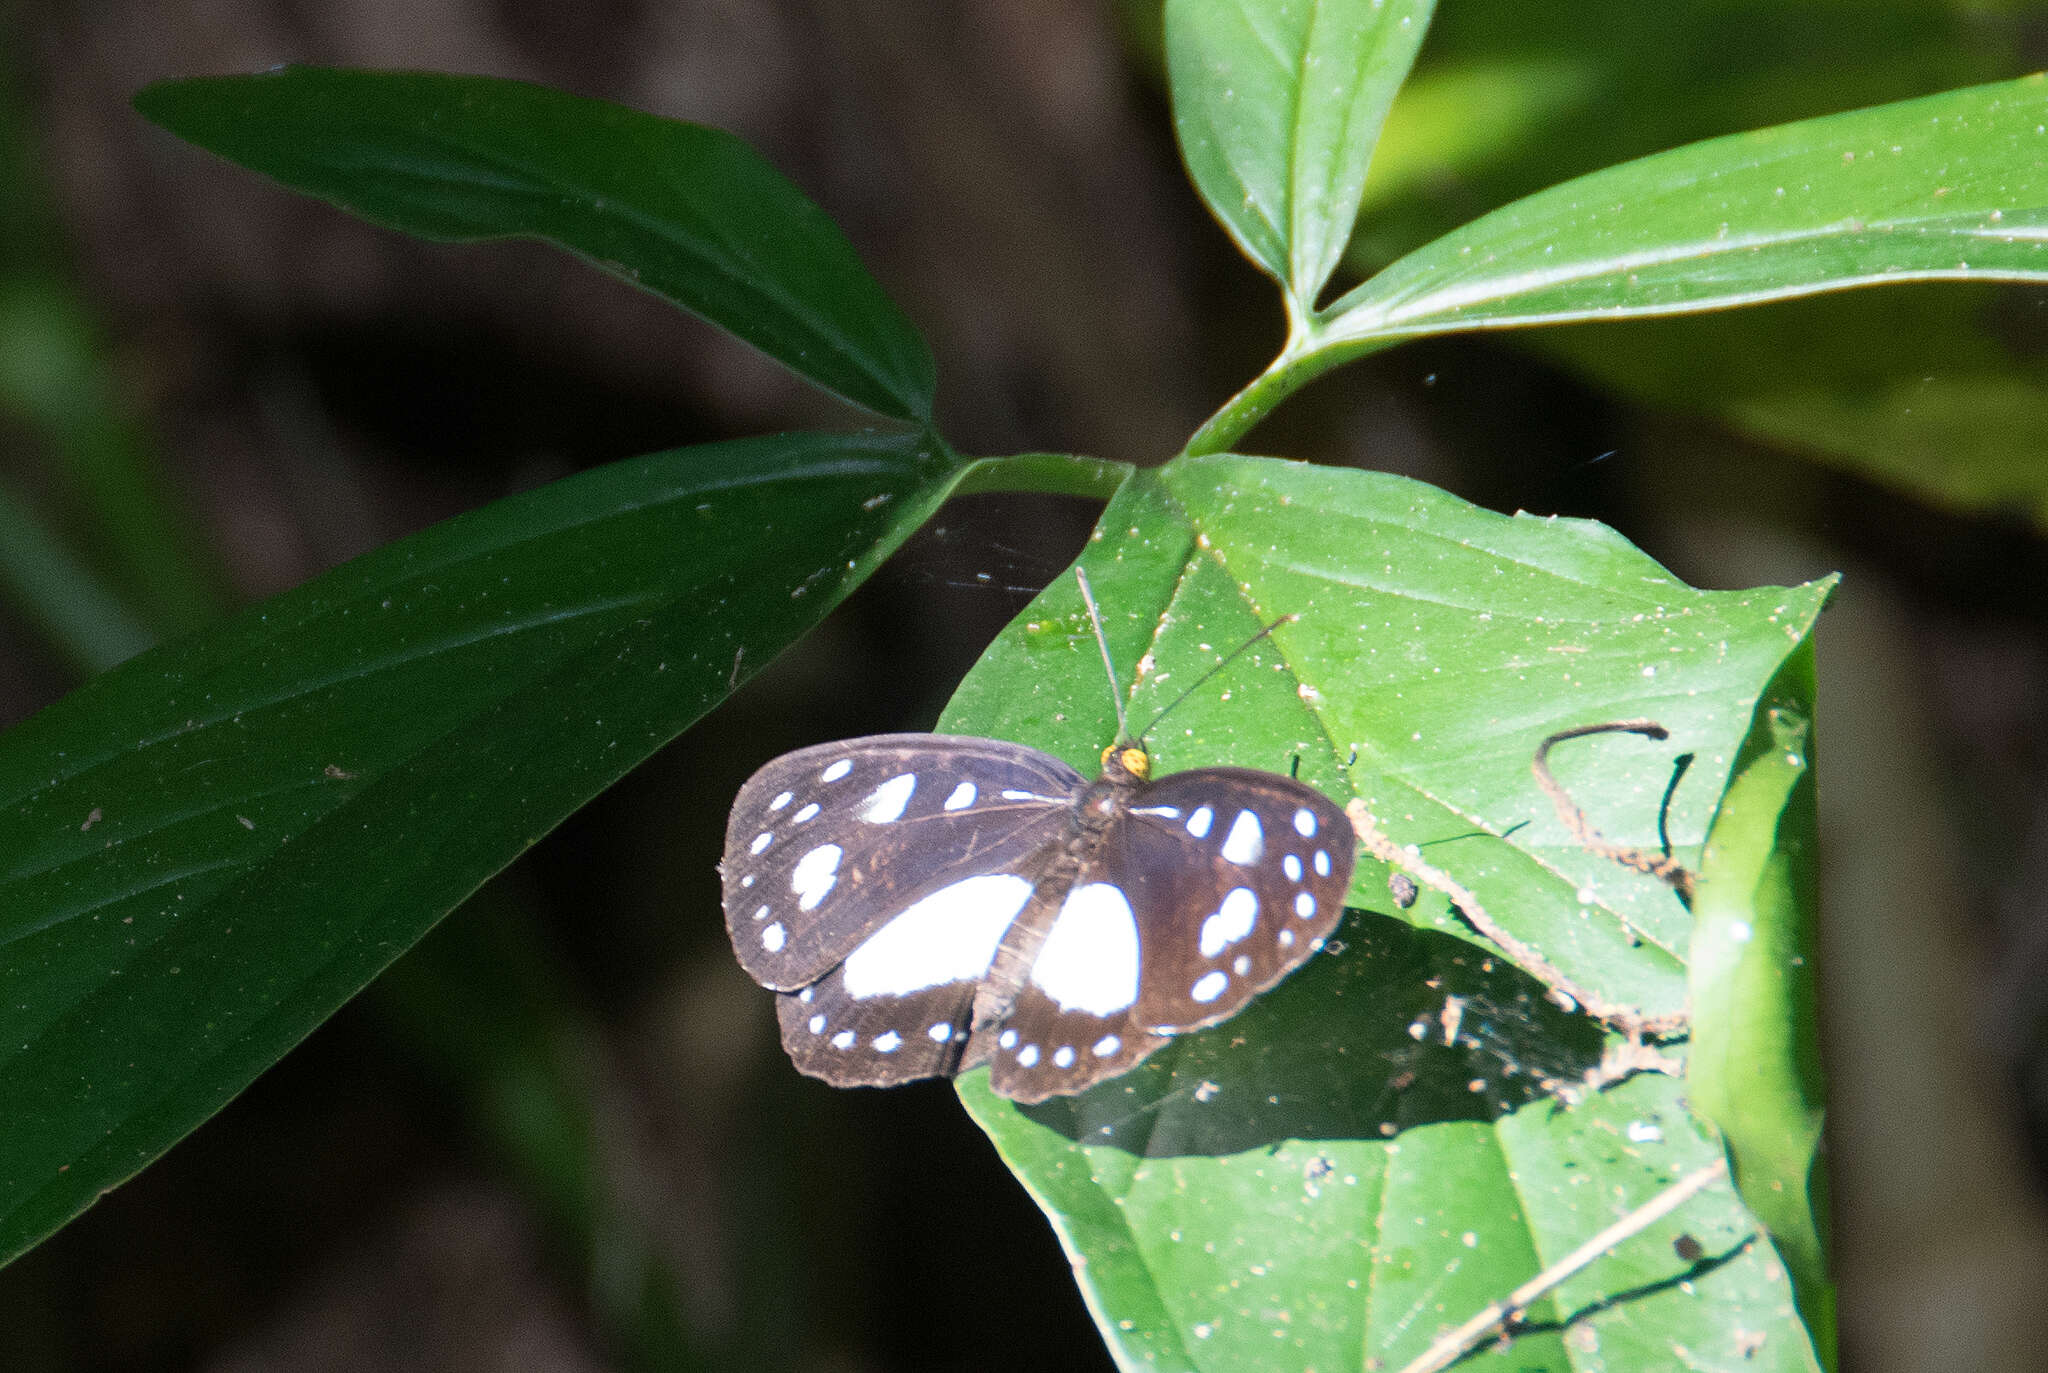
688 212
1506 100
1949 186
1753 1067
1322 1179
206 851
1278 104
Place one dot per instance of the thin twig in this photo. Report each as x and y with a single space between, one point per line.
1663 867
1631 1020
1451 1347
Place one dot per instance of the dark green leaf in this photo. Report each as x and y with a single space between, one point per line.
1278 106
206 851
1754 1067
1323 1179
687 212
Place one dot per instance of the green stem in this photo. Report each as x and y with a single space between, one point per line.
1306 357
1054 474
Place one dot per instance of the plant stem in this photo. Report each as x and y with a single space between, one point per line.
1305 358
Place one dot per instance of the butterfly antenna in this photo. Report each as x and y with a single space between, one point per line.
1225 662
1116 692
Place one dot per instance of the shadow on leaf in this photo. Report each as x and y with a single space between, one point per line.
1388 1028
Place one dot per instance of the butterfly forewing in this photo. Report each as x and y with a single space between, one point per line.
1237 877
828 844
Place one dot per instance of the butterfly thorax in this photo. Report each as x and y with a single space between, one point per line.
1126 770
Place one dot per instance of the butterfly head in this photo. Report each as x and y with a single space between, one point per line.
1127 758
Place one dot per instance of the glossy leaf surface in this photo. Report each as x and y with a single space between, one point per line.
207 850
688 212
1278 106
1369 1152
1948 186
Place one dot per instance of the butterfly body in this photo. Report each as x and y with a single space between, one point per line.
924 903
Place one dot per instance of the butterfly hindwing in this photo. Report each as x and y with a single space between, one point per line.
1043 1049
829 844
875 1041
1235 877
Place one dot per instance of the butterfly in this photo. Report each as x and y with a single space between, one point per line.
926 903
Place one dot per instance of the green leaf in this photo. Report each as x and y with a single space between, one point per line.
687 212
1278 106
1949 186
206 851
1754 1066
1322 1179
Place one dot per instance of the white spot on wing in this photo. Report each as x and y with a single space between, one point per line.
836 771
1063 1057
888 1042
886 802
761 842
1304 904
1322 863
843 1040
1232 921
1292 867
1305 822
1011 794
962 797
1209 986
1198 823
1246 842
1285 939
774 937
817 1023
1027 1057
1007 1039
1106 1046
1089 961
1169 812
939 1033
814 875
784 799
949 936
808 812
1241 965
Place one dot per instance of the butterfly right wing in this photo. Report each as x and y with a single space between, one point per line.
829 845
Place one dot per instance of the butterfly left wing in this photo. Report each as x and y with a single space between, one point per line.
870 882
827 844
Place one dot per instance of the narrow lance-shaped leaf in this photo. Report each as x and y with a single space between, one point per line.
1950 186
1370 1151
688 212
1278 106
207 850
1753 1066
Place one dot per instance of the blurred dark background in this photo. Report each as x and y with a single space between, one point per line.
559 1135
